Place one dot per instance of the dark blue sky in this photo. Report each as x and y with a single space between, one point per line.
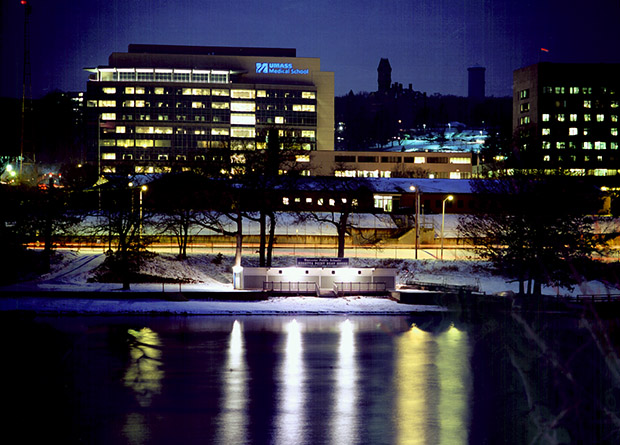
430 43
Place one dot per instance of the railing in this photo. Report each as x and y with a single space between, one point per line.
361 287
594 298
290 286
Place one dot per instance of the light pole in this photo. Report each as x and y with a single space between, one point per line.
142 189
443 217
417 191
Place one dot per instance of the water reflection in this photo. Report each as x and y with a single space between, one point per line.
144 377
233 421
344 413
289 423
432 387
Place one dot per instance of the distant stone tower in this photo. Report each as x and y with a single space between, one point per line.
384 77
476 83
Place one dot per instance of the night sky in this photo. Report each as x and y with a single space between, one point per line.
430 43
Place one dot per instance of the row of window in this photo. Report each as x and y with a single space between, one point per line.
586 145
525 93
235 93
574 131
235 119
162 75
573 117
408 160
388 174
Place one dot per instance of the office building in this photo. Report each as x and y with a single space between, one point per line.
565 116
159 108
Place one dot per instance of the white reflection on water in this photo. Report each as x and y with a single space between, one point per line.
344 414
432 383
290 420
233 420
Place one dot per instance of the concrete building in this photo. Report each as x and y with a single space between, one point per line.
565 116
386 164
159 108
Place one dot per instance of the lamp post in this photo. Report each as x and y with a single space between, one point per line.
443 217
142 189
415 189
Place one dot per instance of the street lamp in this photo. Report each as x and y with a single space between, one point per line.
443 217
142 189
417 191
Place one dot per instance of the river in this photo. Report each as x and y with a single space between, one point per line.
428 379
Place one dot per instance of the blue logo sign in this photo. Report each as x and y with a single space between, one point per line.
278 68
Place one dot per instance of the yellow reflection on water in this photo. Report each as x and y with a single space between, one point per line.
291 394
344 414
454 377
412 375
233 421
143 373
432 387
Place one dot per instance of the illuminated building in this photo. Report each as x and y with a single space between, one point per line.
159 108
565 116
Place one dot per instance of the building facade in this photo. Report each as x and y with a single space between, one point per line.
565 116
159 108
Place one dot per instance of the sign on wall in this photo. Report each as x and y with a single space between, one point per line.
322 262
278 68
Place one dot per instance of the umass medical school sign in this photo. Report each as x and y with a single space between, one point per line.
278 68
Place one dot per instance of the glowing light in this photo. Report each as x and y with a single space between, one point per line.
344 415
292 393
235 389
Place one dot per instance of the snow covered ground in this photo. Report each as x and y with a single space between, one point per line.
73 272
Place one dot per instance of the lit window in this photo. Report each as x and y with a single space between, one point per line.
159 90
560 118
546 131
129 103
525 107
309 108
308 134
261 93
285 201
587 104
241 132
587 117
613 145
120 129
614 132
109 90
308 200
573 131
144 143
198 105
302 158
219 92
125 142
242 119
586 131
200 91
243 106
460 160
598 145
308 95
108 116
140 104
587 145
242 94
419 160
279 119
107 103
130 90
546 145
613 118
574 90
614 104
559 90
220 105
546 158
573 118
600 118
524 94
545 117
108 156
560 145
524 120
219 131
140 90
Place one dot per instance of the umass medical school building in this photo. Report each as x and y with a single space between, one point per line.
157 108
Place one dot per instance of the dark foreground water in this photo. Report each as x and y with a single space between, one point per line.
309 380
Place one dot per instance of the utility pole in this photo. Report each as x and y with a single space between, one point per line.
26 85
